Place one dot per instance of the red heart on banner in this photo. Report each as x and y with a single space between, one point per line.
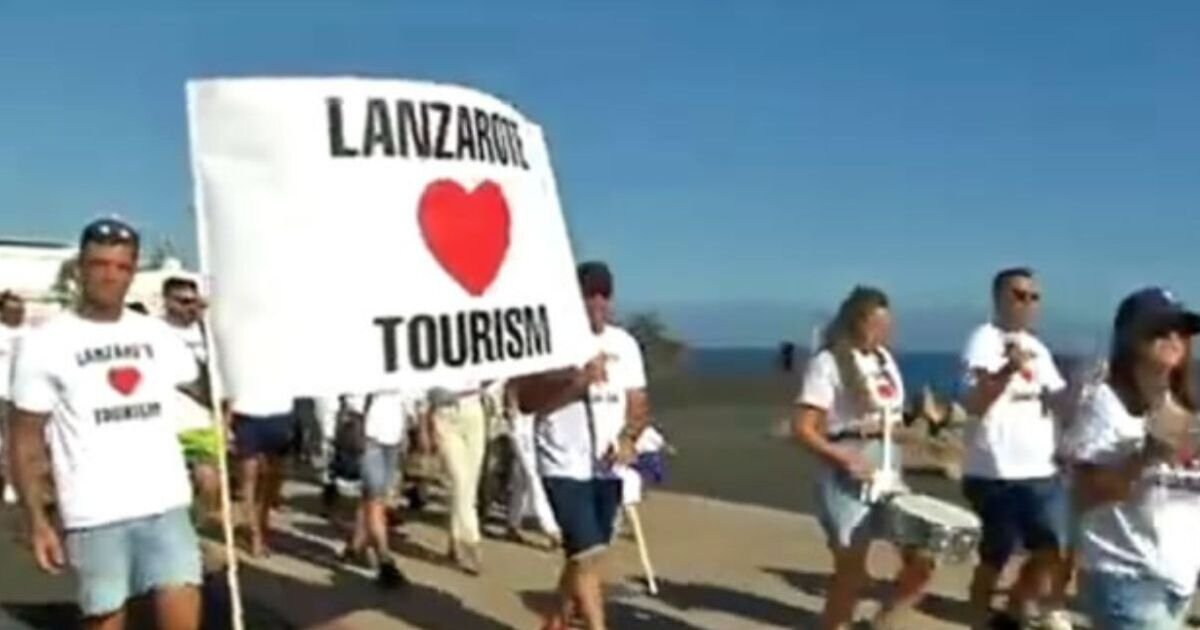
467 232
125 379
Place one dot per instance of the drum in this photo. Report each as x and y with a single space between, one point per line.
938 527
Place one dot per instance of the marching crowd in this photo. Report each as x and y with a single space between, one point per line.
111 446
1096 480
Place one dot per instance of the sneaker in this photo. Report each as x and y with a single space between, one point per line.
10 495
1003 621
469 559
1057 620
390 577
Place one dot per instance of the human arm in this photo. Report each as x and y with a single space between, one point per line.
990 365
27 460
546 392
810 430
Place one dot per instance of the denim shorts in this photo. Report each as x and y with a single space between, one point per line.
586 511
121 560
264 435
379 469
848 520
1033 514
1125 602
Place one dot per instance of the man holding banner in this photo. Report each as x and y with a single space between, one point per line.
589 420
98 382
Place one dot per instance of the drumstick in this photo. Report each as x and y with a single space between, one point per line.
643 553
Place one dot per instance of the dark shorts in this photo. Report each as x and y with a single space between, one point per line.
1018 513
264 435
586 511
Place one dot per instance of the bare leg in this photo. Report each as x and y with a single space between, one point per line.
358 536
114 621
983 584
586 592
849 574
178 608
208 490
1035 580
270 486
375 511
250 469
911 581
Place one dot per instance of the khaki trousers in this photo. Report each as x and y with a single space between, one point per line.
461 430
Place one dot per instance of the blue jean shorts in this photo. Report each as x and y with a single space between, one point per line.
1121 602
121 560
586 511
379 468
848 520
1033 514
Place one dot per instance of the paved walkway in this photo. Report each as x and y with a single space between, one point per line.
720 565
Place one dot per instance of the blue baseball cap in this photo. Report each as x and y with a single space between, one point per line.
1153 311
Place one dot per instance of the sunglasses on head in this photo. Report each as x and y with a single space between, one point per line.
1022 295
109 232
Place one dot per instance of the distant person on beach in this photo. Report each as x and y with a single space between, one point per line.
385 417
588 421
1138 471
850 388
1014 395
200 440
12 326
98 382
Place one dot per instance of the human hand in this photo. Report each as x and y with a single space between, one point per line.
47 548
857 466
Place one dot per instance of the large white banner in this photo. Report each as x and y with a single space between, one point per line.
364 234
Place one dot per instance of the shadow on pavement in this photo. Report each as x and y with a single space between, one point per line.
816 584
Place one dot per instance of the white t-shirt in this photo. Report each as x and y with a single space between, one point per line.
386 416
193 337
108 388
190 414
1015 439
8 343
262 403
823 388
572 442
1154 532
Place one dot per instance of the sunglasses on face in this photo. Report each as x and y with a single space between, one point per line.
185 301
1028 297
109 232
604 293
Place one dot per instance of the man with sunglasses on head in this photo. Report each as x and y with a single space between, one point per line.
98 383
588 420
1012 389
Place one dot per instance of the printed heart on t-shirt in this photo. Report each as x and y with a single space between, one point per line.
125 379
886 391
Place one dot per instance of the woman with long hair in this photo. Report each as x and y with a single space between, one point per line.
1138 473
851 387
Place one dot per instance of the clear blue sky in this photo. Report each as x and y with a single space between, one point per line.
728 158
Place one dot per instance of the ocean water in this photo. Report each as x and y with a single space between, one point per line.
939 370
